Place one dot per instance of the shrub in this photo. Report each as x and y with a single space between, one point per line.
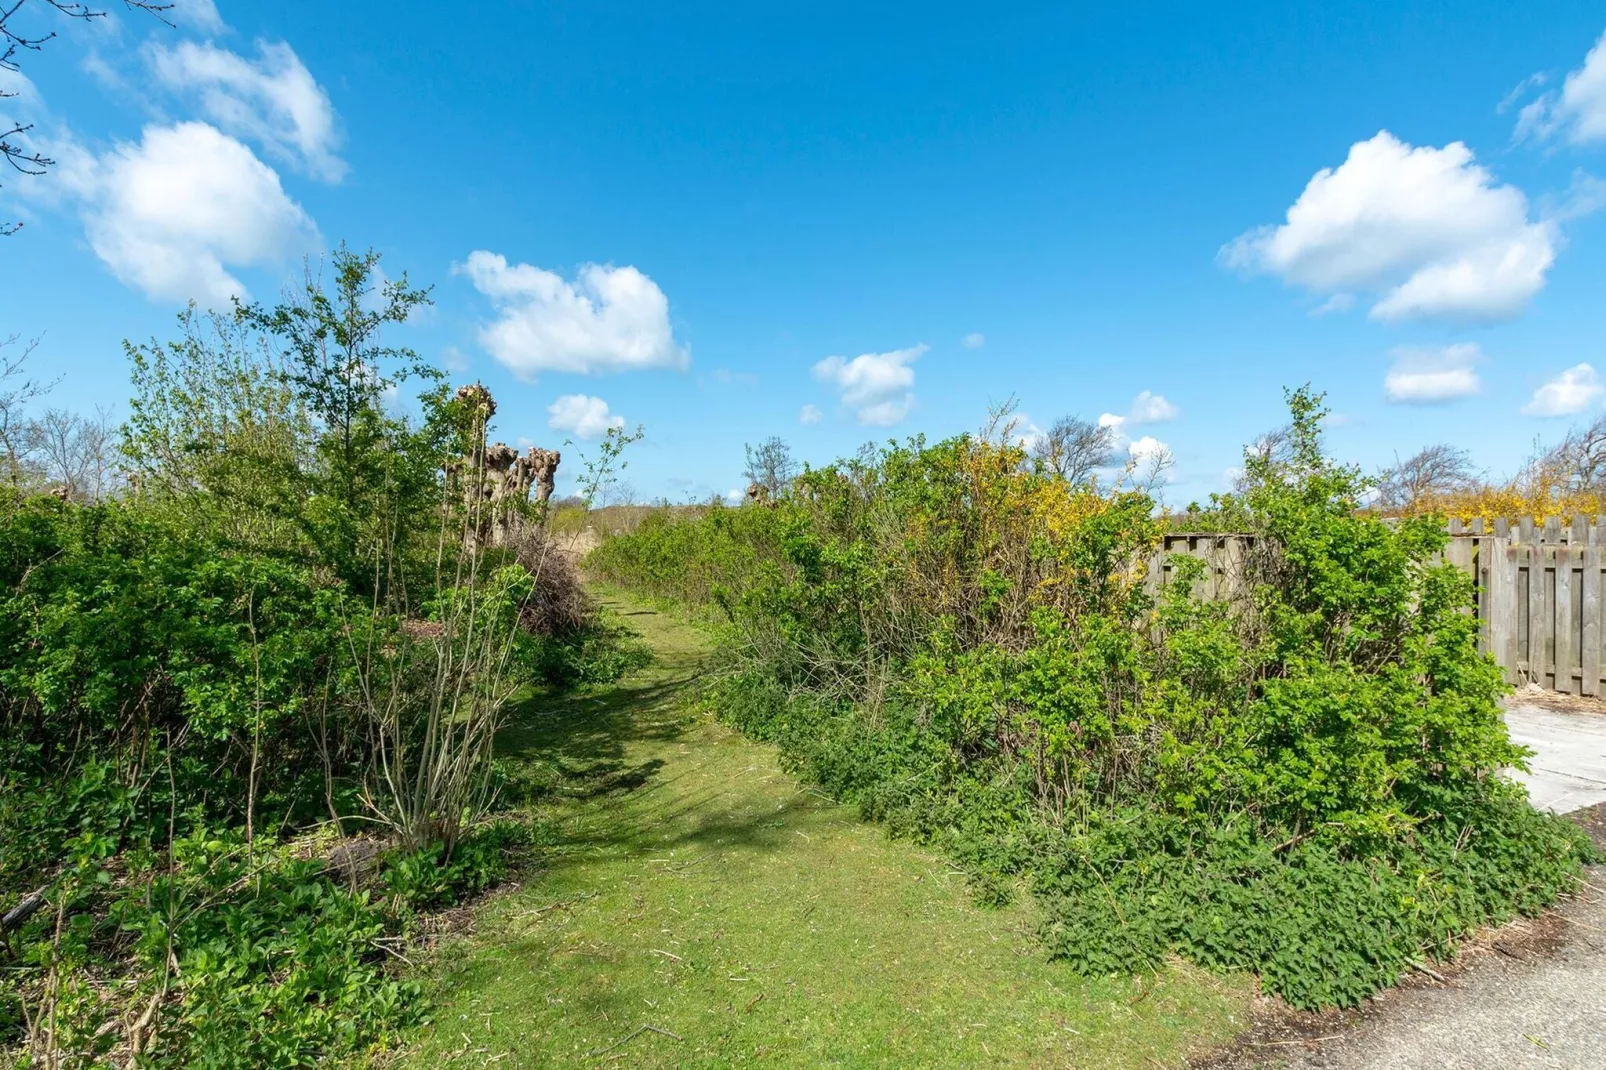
963 646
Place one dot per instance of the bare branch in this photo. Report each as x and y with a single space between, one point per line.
1075 448
1428 474
15 40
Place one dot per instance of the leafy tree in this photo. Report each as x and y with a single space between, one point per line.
371 475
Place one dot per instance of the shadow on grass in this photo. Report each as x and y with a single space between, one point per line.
614 762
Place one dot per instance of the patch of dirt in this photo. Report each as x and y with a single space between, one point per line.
1546 699
1593 821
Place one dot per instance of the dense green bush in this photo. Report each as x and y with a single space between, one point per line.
1302 779
293 627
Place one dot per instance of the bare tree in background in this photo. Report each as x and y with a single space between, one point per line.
1149 471
18 37
1075 448
1274 448
17 392
770 468
1434 471
76 453
1579 460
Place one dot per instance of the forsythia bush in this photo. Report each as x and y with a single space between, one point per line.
1303 779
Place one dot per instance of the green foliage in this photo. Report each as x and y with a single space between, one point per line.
433 876
288 623
963 646
601 470
599 653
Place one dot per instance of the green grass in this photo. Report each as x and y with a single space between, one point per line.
692 886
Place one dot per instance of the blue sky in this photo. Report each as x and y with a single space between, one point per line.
683 212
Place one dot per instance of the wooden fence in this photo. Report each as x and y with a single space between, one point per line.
1539 593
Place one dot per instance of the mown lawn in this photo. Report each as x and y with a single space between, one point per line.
696 907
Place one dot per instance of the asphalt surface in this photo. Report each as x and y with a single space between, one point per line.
1532 994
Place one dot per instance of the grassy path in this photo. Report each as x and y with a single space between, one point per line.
694 888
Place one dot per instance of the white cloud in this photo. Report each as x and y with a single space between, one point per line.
1427 229
1577 111
582 416
1148 448
973 340
21 96
607 320
1117 425
1571 392
1027 434
1520 90
273 100
1584 195
878 387
810 415
199 15
1151 408
171 214
1147 408
1422 376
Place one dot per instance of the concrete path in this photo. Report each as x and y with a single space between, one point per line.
1532 994
1569 764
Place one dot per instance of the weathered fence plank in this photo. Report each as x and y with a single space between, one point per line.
1589 602
1561 664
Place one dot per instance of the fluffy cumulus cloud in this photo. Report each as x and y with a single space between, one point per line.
1147 408
973 340
1577 111
172 214
1568 394
608 319
877 387
1151 408
582 416
1426 229
272 100
1431 376
810 415
1148 449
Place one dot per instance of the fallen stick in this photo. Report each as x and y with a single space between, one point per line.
632 1035
22 911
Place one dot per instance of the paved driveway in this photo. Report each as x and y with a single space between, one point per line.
1569 764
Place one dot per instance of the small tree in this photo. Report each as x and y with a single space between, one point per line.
770 466
370 477
602 471
1075 448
